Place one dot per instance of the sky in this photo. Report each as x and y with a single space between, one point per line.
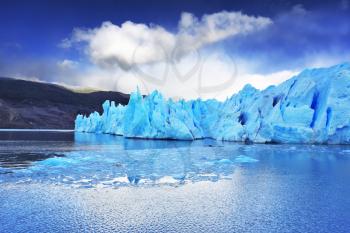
185 49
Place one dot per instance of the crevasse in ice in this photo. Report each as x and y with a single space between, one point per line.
312 107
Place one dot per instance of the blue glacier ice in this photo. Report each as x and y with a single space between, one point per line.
312 107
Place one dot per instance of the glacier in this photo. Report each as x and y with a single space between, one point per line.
311 107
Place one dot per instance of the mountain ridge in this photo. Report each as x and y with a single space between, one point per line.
29 104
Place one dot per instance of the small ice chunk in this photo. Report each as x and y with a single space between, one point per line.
245 159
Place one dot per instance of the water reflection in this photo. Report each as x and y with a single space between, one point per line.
107 160
139 144
260 188
21 160
36 135
93 160
157 162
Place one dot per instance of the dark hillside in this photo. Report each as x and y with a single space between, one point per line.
27 104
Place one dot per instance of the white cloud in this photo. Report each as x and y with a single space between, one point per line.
67 64
176 63
299 10
132 44
111 45
195 33
262 81
213 75
65 43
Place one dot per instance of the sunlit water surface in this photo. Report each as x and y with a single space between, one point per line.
66 182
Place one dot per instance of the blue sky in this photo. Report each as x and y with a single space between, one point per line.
294 35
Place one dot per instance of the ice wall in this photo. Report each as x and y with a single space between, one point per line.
312 107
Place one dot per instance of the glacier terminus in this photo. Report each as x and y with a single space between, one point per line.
312 107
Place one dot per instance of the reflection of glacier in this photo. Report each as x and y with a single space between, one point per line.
95 160
313 107
152 162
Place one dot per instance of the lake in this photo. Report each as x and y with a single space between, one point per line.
61 181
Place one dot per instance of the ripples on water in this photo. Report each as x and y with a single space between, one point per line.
102 160
102 183
89 160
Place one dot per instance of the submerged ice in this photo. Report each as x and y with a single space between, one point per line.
312 107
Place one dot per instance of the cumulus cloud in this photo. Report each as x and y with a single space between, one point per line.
178 63
132 44
185 64
216 76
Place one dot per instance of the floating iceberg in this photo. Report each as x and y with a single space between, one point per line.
312 107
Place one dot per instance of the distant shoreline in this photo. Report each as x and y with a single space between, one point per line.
37 130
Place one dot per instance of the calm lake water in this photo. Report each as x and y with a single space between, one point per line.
75 182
